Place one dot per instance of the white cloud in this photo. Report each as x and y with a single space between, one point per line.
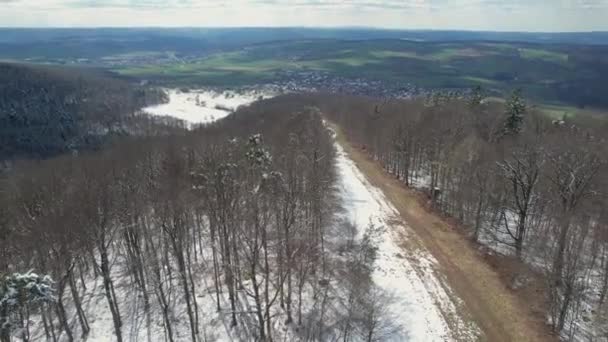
519 15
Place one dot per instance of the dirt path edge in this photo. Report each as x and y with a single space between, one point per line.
496 309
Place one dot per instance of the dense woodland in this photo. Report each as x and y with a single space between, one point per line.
518 182
239 212
46 111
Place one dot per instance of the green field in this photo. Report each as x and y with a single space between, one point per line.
553 74
559 112
543 55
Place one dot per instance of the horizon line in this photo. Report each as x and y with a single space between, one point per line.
305 27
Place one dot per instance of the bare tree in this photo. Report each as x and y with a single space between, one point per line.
522 171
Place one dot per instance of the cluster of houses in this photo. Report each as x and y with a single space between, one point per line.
309 81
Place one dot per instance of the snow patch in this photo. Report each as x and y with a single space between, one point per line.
203 106
422 301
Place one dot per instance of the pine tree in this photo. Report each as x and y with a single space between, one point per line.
515 111
476 96
19 295
257 154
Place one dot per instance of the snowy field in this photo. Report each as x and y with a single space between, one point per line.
422 302
201 106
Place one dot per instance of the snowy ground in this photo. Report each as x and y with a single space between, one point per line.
425 307
421 302
205 106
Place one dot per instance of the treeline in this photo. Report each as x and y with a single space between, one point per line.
519 182
236 212
46 111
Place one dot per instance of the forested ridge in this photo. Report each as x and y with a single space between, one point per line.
517 182
46 111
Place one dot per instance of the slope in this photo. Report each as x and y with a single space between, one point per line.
45 111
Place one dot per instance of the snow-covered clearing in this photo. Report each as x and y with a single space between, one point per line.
201 106
422 301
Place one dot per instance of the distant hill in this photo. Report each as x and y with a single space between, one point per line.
91 44
556 69
46 110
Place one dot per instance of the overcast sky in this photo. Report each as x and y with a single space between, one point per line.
496 15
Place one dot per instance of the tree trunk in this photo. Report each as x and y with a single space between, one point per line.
192 291
178 250
565 305
478 217
216 276
63 319
256 297
266 286
109 291
604 290
84 324
558 262
521 234
48 313
229 277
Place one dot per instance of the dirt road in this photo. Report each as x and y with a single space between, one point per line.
500 313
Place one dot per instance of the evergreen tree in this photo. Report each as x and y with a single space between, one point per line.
20 294
476 96
515 111
257 154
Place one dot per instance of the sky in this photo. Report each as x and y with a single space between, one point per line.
492 15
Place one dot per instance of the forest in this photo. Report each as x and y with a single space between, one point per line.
46 111
236 211
515 182
235 218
